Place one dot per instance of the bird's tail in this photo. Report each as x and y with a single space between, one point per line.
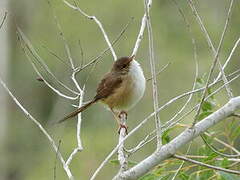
74 113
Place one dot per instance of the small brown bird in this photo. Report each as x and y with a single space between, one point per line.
120 89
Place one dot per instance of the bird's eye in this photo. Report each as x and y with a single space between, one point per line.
124 66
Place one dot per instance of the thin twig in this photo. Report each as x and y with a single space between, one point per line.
61 34
105 161
169 124
55 55
197 105
204 157
79 147
147 5
140 35
194 55
236 115
213 63
55 162
229 57
223 143
143 142
48 136
180 167
159 72
96 59
43 79
206 165
218 152
182 139
3 20
81 52
31 49
77 8
229 90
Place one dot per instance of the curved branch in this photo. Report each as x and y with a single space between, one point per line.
185 137
98 23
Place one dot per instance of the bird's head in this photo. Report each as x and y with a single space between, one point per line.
122 65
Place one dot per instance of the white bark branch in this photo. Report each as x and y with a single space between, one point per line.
41 128
185 137
25 43
4 35
122 157
229 58
153 74
98 23
143 122
214 51
140 34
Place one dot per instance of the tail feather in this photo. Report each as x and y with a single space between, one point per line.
74 113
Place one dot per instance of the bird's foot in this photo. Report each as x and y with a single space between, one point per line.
122 121
122 114
122 126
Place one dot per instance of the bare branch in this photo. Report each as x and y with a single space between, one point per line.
229 57
140 34
206 165
31 49
98 23
197 105
236 115
3 20
96 59
55 162
104 162
79 142
223 143
153 74
169 124
122 158
180 167
218 152
79 147
216 54
44 80
55 55
185 137
61 34
48 136
160 71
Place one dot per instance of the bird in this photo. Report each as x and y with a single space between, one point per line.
120 89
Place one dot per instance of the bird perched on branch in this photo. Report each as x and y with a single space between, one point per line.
120 89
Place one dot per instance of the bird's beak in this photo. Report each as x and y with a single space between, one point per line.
131 58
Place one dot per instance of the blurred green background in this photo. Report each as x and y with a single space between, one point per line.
27 152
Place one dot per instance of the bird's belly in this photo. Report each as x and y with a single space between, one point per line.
130 92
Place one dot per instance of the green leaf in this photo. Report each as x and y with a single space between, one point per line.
225 162
211 156
227 176
114 161
207 106
149 177
204 115
154 177
132 163
165 137
183 176
235 132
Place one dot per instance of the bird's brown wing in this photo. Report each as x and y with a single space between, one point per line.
109 83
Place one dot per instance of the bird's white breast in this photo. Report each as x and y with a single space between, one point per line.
134 87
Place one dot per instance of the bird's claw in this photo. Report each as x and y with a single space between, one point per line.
122 126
